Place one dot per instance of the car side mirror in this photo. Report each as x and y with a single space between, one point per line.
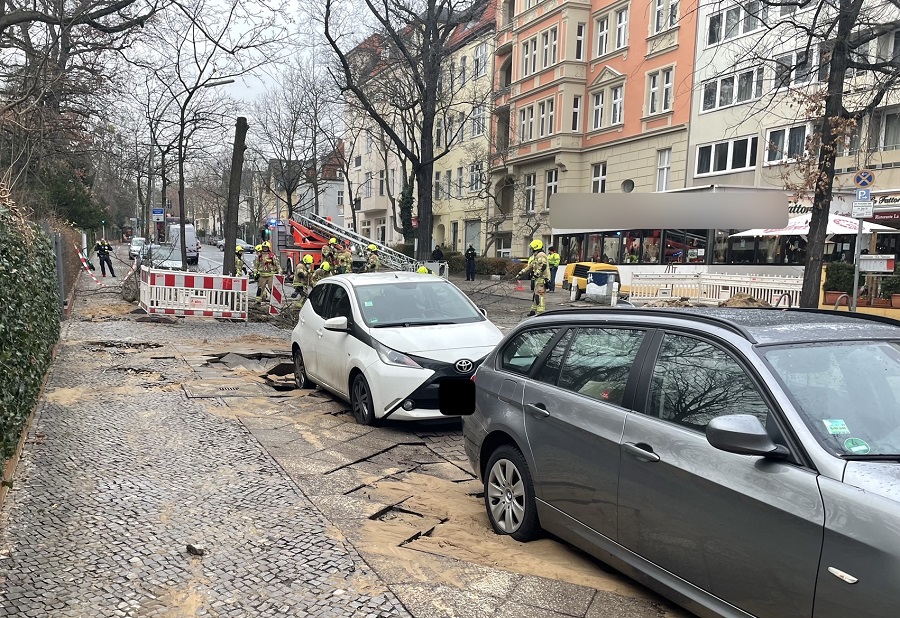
743 434
339 324
456 397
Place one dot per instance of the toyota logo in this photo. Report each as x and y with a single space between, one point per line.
464 366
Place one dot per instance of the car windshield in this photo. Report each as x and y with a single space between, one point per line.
415 303
847 393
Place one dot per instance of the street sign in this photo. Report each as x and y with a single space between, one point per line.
876 263
863 210
159 214
864 195
864 179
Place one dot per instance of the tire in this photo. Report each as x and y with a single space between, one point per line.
361 401
509 495
301 379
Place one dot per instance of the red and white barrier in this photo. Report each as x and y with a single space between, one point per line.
187 294
130 272
84 265
276 298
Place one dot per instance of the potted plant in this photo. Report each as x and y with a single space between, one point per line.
890 289
838 280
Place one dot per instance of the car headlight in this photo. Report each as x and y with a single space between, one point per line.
393 357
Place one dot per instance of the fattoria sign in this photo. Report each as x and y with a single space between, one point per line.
803 205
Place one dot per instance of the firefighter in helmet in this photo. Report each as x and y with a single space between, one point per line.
372 262
324 270
302 274
538 269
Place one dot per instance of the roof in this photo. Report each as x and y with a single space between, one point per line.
380 278
481 23
768 326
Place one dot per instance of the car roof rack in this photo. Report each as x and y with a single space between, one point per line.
881 319
694 315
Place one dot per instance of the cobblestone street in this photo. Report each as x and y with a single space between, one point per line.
147 440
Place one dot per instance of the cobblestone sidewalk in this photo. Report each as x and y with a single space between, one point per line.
122 471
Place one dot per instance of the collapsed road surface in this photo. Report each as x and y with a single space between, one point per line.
172 471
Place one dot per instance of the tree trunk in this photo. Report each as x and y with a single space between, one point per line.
181 210
232 205
424 186
834 109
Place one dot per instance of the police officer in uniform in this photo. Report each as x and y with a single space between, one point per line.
538 269
470 263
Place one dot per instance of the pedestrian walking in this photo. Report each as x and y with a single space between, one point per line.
437 255
538 269
553 260
103 250
470 263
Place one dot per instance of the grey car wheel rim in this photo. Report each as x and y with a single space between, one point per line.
360 400
506 495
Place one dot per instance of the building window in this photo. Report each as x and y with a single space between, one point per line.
597 112
459 182
523 125
340 198
733 89
461 130
663 167
451 130
479 61
477 120
665 15
475 180
462 70
438 135
598 178
380 230
553 45
621 28
602 35
381 182
368 183
793 69
531 122
617 109
576 113
579 41
370 141
660 91
530 192
542 118
890 132
357 162
449 183
727 156
552 185
529 57
550 110
437 185
366 228
786 144
736 21
393 181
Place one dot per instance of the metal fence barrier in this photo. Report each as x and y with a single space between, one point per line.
713 288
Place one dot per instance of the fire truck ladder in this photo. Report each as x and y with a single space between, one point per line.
387 256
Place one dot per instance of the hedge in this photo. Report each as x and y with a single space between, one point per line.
485 265
30 325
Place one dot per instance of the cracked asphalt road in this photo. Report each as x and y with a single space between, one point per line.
300 511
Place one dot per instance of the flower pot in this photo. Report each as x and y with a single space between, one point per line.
862 302
831 298
881 302
895 301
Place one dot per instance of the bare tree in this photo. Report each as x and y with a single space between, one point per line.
196 47
408 47
833 64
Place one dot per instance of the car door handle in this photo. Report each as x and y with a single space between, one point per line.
319 333
537 409
644 453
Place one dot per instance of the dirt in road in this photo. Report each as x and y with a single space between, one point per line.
461 531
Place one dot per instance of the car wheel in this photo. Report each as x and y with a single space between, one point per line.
361 401
509 495
301 379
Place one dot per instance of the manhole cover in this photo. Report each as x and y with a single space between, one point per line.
199 391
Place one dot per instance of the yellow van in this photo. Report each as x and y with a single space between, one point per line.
577 272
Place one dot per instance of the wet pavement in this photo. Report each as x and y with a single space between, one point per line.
149 438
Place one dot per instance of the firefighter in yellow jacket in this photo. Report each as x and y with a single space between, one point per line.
302 274
538 269
372 262
267 267
324 270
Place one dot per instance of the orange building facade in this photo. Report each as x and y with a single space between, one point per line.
590 95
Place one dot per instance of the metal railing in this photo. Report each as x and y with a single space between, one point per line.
713 288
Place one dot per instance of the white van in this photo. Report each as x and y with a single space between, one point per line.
190 241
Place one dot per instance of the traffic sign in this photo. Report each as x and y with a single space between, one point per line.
863 195
159 214
864 179
863 210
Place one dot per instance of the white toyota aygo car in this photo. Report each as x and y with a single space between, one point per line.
386 341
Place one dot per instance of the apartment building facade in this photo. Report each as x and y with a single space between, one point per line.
591 96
